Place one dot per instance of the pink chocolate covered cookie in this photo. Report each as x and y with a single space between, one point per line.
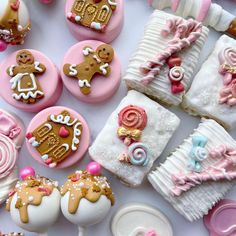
58 137
11 139
29 80
95 19
91 71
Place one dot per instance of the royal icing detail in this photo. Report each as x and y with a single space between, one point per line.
94 14
83 184
227 59
30 192
24 83
95 62
56 138
144 232
198 153
185 33
132 121
10 30
223 169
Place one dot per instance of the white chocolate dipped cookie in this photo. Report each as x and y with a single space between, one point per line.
140 220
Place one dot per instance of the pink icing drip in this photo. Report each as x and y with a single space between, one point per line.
186 32
205 6
221 170
8 126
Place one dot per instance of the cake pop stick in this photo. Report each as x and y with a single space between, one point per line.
34 203
86 197
221 170
205 11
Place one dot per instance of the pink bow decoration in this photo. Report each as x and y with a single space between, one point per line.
228 94
223 169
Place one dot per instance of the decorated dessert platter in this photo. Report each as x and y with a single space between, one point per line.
117 118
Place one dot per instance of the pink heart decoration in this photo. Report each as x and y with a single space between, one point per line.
63 132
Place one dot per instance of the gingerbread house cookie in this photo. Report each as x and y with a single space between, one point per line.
57 137
14 22
215 97
95 19
199 172
30 80
164 63
91 71
134 136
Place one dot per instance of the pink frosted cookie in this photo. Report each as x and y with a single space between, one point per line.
11 139
58 137
95 19
91 71
30 81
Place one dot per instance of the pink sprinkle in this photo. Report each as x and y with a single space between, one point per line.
45 190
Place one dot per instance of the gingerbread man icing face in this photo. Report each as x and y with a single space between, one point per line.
24 83
24 57
95 62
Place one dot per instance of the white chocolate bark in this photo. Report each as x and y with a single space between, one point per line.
197 201
153 43
217 17
203 96
161 124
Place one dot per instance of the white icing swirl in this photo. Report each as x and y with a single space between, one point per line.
176 73
200 153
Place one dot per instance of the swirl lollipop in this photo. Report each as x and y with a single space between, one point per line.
227 59
132 120
86 197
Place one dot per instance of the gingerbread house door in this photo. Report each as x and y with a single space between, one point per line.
90 14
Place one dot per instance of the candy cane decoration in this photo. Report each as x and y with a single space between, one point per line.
186 32
221 170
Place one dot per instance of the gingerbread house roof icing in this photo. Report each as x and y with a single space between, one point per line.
93 13
56 138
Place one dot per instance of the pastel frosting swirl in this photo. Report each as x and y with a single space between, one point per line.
133 117
228 56
8 156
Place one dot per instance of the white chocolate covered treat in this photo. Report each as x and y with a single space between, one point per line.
165 61
14 22
211 14
134 136
86 197
136 219
34 204
212 93
11 139
199 172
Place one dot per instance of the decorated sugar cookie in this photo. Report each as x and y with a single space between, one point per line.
95 19
216 96
86 197
34 203
134 136
163 65
211 14
91 71
203 167
30 80
11 139
14 22
57 137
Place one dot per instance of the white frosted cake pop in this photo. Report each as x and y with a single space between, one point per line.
86 197
14 22
34 204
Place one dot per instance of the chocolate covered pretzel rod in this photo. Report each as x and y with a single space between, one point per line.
205 11
221 170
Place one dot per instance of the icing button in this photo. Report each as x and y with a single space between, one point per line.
63 132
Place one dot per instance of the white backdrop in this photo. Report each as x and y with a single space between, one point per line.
50 35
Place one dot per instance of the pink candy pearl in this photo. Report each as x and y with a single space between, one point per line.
3 46
26 172
46 1
94 168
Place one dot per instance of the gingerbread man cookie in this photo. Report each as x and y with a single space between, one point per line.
24 83
94 14
95 62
